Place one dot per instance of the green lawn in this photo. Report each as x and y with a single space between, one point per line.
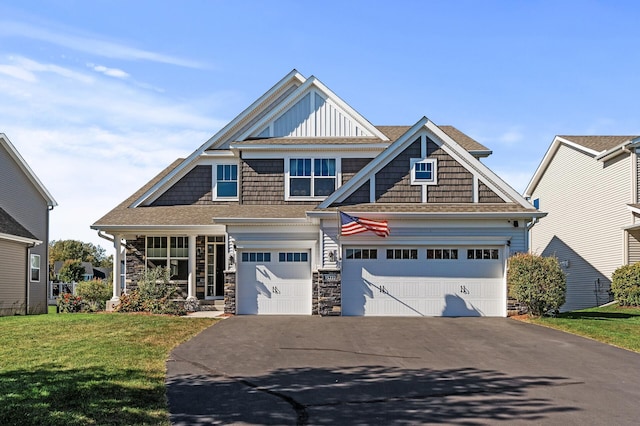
615 325
85 369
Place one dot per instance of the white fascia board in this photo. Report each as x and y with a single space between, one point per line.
298 94
161 229
285 244
548 156
218 137
430 216
17 158
633 209
18 239
374 166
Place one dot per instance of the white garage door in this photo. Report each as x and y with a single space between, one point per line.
423 281
274 282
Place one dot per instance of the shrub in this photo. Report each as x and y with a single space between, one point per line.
625 285
537 282
154 294
68 303
71 271
95 293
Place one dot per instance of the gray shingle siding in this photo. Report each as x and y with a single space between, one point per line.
455 183
486 195
360 195
193 188
393 182
351 166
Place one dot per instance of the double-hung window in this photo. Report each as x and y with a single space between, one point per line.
35 267
312 177
226 181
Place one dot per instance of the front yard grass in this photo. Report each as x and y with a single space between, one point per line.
615 325
85 369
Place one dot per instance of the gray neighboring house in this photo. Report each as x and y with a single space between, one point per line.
251 219
24 235
589 186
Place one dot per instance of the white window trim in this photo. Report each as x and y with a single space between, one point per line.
214 181
167 258
287 177
31 268
434 166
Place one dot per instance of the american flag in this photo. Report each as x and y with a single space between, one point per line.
351 225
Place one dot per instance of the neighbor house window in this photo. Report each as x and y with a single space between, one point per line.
312 177
171 252
423 172
35 267
226 181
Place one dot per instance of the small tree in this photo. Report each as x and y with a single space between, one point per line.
72 270
537 282
154 294
625 285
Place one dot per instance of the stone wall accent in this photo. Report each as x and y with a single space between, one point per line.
393 182
329 292
455 183
192 188
229 292
486 195
200 266
315 278
135 260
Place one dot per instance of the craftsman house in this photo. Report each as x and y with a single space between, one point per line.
253 216
589 186
24 235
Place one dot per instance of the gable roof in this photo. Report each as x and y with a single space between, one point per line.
17 158
453 148
11 229
599 147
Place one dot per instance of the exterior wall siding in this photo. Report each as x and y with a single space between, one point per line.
455 183
634 246
22 200
486 195
263 182
393 182
194 188
351 166
13 279
586 205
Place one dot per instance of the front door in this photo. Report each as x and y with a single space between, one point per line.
215 268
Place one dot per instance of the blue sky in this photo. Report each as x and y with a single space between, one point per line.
100 96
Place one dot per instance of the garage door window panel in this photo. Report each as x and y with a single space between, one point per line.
362 253
442 254
483 254
293 257
402 254
261 257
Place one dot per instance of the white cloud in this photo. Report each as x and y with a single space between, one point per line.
94 140
510 137
111 72
89 43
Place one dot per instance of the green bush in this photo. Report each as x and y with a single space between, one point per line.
537 282
625 285
154 294
95 293
71 271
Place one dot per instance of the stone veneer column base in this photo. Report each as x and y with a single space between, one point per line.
327 289
230 292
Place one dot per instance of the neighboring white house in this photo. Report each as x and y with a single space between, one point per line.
24 235
251 217
588 185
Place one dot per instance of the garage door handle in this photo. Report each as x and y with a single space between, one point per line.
383 289
275 290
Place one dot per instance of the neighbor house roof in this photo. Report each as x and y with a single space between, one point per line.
602 148
11 229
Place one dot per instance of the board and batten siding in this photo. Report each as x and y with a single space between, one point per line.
13 279
586 201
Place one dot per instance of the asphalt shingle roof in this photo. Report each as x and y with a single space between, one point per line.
598 143
10 226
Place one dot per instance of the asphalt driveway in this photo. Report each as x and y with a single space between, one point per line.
398 371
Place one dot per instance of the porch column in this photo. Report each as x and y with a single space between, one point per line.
192 268
117 262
